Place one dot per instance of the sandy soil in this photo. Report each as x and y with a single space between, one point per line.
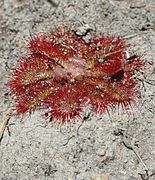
119 147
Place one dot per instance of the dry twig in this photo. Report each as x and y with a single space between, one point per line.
5 122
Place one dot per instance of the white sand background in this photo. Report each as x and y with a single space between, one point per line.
31 148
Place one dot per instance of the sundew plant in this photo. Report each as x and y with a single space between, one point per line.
62 73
